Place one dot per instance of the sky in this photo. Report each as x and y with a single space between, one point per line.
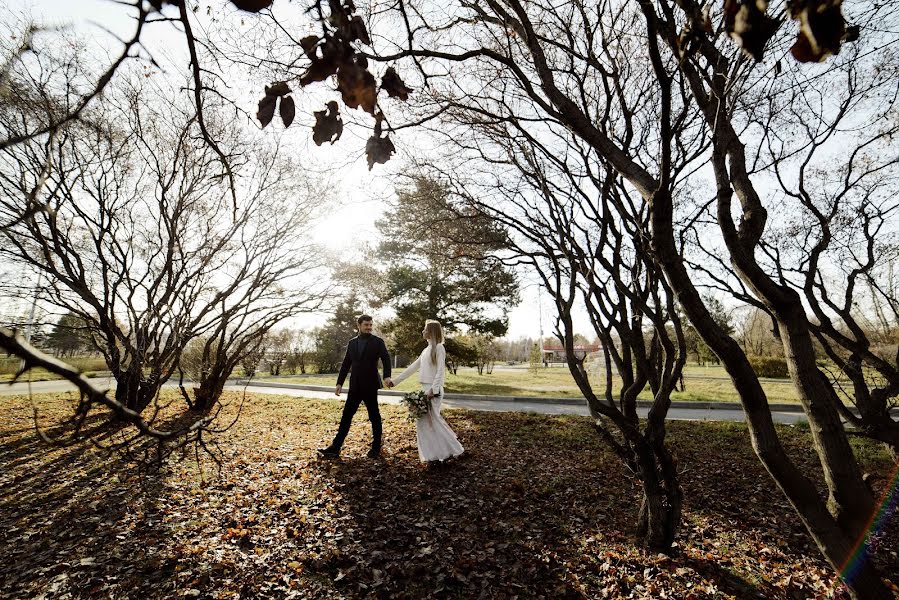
362 193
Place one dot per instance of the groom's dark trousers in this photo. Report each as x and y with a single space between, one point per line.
361 362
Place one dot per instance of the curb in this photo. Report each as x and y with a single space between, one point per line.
791 408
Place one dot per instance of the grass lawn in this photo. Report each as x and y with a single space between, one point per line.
701 383
557 381
88 365
538 509
38 374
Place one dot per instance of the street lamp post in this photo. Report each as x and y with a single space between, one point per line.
29 325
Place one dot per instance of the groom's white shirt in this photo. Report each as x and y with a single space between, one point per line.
429 374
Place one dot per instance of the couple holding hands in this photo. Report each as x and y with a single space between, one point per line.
436 441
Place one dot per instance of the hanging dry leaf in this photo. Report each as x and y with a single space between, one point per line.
266 109
803 51
822 29
319 70
338 17
394 86
357 87
279 88
333 53
288 110
357 31
328 125
747 22
308 44
378 150
252 5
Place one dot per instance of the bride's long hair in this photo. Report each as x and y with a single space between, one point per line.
434 333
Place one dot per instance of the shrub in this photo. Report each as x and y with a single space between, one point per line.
769 366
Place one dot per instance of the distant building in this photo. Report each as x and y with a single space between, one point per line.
553 353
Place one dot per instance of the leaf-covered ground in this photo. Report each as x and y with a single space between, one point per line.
538 509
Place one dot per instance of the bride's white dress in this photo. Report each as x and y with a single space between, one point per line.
436 441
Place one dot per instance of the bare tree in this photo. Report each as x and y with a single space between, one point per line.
146 442
550 62
241 332
756 335
485 351
832 232
277 347
54 105
63 94
142 242
302 348
583 235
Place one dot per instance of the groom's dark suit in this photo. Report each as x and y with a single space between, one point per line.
361 362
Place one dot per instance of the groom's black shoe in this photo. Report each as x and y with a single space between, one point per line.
329 452
374 453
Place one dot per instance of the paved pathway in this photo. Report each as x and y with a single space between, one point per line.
545 405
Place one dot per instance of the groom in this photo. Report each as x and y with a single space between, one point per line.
361 361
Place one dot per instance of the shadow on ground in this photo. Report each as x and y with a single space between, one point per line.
538 507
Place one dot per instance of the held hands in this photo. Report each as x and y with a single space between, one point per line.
430 394
389 383
337 390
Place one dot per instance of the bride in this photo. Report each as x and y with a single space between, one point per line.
436 441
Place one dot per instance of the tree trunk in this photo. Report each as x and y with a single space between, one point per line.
130 391
835 543
210 389
849 500
660 511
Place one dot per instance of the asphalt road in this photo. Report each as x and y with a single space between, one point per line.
686 414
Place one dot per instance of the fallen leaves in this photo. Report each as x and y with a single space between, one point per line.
540 508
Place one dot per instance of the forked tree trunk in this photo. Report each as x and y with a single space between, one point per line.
836 535
660 511
132 391
211 388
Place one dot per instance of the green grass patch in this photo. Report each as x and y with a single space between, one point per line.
557 382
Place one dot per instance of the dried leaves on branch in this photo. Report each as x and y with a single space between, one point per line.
335 53
822 28
328 124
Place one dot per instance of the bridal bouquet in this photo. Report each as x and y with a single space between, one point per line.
418 404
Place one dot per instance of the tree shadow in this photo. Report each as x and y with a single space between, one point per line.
77 519
504 520
538 507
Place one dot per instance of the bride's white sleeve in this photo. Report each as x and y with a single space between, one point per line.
408 371
437 386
